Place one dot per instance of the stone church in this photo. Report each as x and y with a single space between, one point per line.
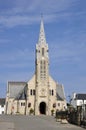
41 94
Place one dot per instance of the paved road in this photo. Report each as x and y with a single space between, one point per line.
19 122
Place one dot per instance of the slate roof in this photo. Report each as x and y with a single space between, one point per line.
81 96
60 93
2 101
22 94
15 88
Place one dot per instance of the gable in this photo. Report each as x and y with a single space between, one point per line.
52 83
31 82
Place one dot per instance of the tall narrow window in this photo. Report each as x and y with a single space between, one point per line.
31 92
42 51
52 92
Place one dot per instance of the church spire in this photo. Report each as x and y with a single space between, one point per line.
42 39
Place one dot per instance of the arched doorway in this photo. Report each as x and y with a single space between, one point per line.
42 108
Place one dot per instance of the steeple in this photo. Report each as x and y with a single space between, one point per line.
42 39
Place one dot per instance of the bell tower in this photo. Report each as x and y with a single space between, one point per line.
42 72
42 59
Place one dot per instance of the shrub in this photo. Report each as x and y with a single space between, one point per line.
31 111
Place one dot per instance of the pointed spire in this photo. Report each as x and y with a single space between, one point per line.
42 39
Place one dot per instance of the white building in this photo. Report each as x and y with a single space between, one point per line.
2 105
41 94
78 99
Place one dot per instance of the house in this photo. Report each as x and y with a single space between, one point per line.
78 100
2 105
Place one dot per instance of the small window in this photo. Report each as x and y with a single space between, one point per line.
41 62
44 62
44 67
22 103
59 104
2 105
44 71
54 105
34 92
2 112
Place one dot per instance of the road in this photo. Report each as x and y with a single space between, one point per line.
19 122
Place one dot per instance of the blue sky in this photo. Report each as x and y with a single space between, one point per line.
65 29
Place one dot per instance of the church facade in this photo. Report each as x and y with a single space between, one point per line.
41 94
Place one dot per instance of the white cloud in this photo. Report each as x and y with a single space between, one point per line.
16 76
11 21
4 41
11 56
69 52
20 6
28 12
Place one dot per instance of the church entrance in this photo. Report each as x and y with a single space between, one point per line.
42 108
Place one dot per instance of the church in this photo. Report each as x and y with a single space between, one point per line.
41 94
